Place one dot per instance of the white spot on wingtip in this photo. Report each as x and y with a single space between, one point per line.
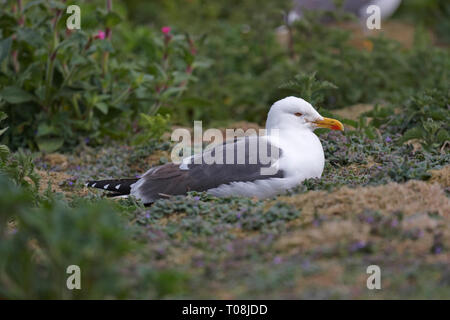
117 187
93 185
106 186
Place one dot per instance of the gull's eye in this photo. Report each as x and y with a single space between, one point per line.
298 114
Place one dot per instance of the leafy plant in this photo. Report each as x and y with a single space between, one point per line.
425 117
308 87
153 127
48 239
19 166
4 150
59 86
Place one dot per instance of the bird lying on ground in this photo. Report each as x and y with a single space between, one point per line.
293 153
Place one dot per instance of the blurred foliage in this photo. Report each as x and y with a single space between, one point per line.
41 234
432 13
385 71
153 128
58 86
4 150
72 85
308 87
36 255
239 39
425 117
254 54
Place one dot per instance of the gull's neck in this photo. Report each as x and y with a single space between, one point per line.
287 129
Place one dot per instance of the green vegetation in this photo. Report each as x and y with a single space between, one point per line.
58 86
104 98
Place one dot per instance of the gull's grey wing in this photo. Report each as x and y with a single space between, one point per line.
247 164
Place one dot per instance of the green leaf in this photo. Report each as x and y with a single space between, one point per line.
30 36
202 64
172 91
3 116
195 102
105 46
33 4
112 19
350 122
442 136
413 133
103 107
4 152
50 144
2 131
5 47
370 132
15 95
57 5
140 139
45 130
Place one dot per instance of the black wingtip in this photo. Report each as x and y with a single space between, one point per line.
119 187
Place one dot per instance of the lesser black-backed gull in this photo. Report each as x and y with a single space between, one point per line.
254 166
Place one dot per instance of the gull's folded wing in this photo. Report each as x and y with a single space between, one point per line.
246 159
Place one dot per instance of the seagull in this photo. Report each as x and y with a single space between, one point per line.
251 166
357 7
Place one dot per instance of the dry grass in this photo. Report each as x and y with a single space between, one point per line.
55 179
409 198
412 220
441 176
353 112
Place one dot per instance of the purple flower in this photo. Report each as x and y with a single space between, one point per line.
306 264
394 223
370 219
388 139
277 260
357 246
199 263
438 250
147 215
196 198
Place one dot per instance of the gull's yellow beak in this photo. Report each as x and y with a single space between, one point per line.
329 123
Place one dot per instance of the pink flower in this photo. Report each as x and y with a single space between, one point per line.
100 35
165 30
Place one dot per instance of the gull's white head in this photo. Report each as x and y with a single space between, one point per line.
297 114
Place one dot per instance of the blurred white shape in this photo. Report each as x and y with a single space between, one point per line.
357 7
